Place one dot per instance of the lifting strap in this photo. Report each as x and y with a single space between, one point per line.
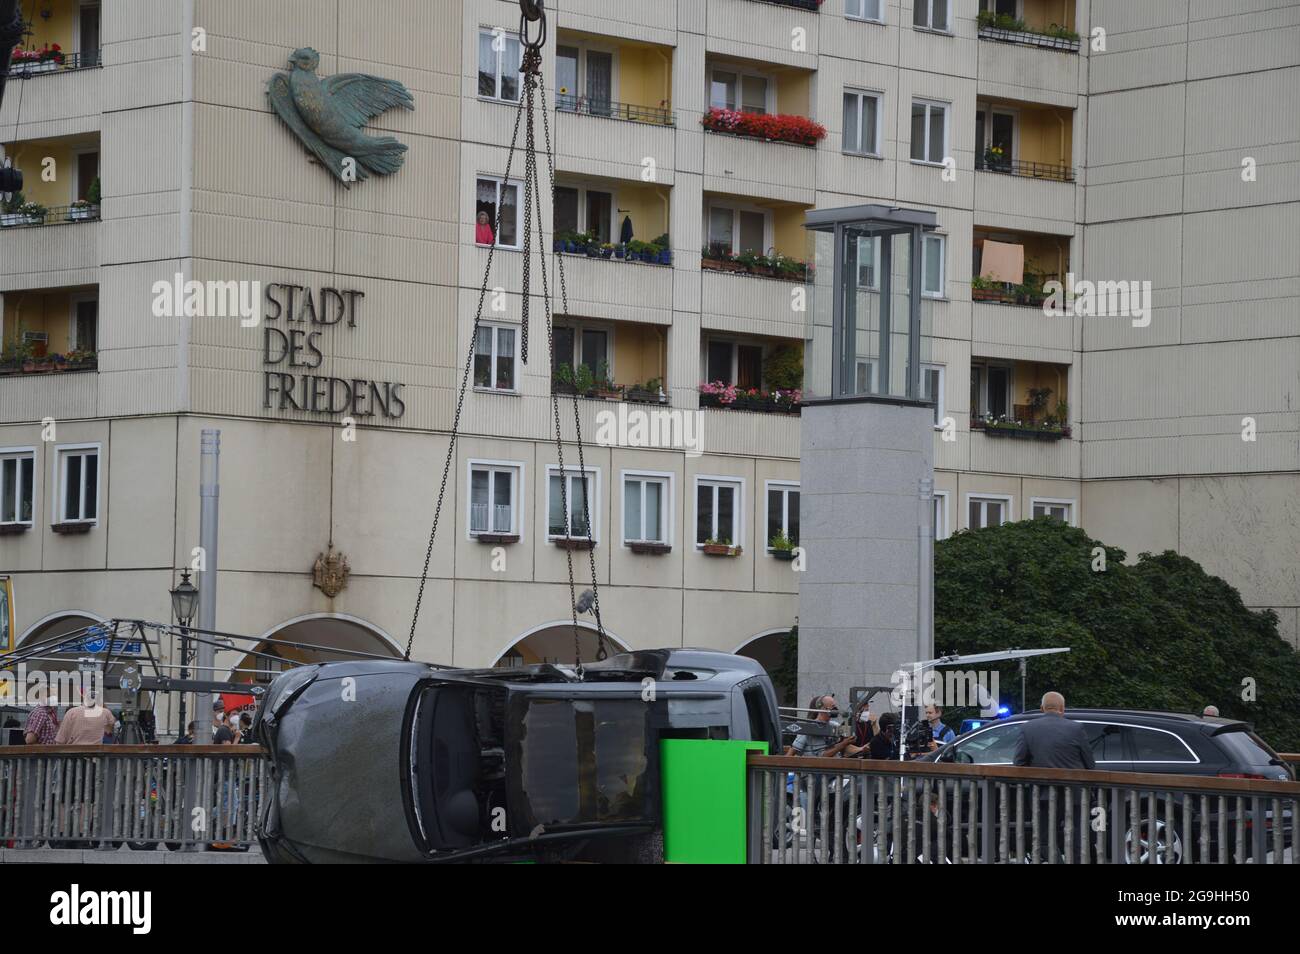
534 86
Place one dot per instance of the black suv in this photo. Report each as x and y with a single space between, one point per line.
1128 740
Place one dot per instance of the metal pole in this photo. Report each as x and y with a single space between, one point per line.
924 589
209 500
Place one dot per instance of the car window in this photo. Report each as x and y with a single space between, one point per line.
1107 741
1150 745
991 747
1246 747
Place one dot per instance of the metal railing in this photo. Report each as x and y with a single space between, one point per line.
608 109
1027 38
143 795
1030 170
55 215
87 59
855 811
810 5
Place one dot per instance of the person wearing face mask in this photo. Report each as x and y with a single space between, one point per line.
864 730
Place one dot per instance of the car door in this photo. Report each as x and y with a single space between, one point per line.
1159 750
995 745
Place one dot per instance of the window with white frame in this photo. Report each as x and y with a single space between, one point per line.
717 510
930 14
734 362
494 495
494 358
782 511
580 209
932 388
929 131
647 506
576 345
571 502
499 58
492 195
941 515
987 511
933 249
731 88
736 229
990 391
77 488
862 118
17 485
864 10
1061 511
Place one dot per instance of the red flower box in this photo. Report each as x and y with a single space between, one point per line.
779 128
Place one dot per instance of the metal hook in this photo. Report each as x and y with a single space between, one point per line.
532 11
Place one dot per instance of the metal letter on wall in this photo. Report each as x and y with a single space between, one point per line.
328 114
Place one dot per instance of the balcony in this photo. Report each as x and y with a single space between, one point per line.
1011 268
62 39
1020 399
610 361
743 373
812 6
1035 28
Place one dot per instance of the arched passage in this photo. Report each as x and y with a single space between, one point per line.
66 660
768 650
338 635
553 643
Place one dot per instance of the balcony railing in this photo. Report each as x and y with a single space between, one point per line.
608 109
23 69
1064 44
57 215
813 5
1029 170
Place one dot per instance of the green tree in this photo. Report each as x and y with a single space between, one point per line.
1159 634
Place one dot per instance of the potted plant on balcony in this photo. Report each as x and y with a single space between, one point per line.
716 547
981 289
87 209
51 58
647 393
24 213
603 386
82 360
782 547
717 394
15 355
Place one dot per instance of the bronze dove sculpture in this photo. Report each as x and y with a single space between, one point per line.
328 115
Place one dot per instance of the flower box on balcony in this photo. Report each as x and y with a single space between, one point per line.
643 396
11 219
720 549
83 212
1027 432
649 548
574 543
778 127
496 538
9 529
72 526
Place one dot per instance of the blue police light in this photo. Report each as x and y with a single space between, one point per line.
1004 711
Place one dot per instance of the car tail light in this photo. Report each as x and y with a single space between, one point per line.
1241 775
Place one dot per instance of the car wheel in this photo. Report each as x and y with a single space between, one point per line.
1157 844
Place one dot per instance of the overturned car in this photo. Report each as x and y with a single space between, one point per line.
402 761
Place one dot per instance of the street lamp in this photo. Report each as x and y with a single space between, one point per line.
185 603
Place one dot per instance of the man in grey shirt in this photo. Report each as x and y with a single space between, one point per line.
1054 741
819 745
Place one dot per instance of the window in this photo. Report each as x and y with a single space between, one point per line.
493 194
1005 8
499 59
1061 511
571 502
737 230
932 265
494 358
1106 740
865 382
929 131
930 14
85 329
733 362
995 139
1153 745
990 390
17 485
77 498
577 345
494 497
996 746
87 173
732 89
584 79
717 510
869 262
579 209
862 112
88 34
864 10
941 515
932 389
988 511
647 504
782 511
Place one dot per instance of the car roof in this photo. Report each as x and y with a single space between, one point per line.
1154 717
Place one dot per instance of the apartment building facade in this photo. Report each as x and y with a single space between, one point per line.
1041 157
